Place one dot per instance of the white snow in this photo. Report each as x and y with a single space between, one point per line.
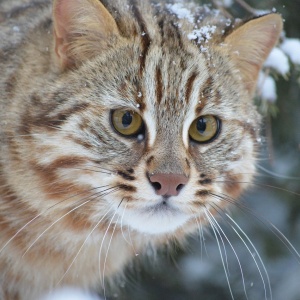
224 3
16 29
267 87
261 12
278 61
291 47
70 294
227 3
181 12
204 32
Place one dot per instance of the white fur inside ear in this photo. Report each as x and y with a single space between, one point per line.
70 294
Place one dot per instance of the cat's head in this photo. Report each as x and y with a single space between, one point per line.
146 126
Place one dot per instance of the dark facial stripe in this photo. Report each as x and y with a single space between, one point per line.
178 35
145 39
161 29
218 97
128 188
50 122
149 160
59 119
65 162
10 85
189 87
80 142
253 132
204 94
205 181
130 171
126 176
159 85
206 91
202 193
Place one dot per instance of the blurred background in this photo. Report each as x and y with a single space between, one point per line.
197 271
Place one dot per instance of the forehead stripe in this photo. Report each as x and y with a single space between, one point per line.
159 86
189 86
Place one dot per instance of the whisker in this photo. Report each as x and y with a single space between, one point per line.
253 257
264 221
286 242
122 231
105 259
81 247
238 260
201 237
43 212
129 232
96 171
100 250
96 166
262 185
95 196
277 175
217 236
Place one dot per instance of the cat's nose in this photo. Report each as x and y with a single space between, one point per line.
168 184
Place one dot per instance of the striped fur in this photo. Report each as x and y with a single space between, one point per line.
68 181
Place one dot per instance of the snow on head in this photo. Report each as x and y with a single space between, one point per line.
292 48
204 33
181 12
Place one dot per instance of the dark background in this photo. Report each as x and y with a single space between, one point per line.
193 273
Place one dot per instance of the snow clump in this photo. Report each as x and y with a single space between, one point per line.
181 12
70 294
267 87
291 47
203 33
278 61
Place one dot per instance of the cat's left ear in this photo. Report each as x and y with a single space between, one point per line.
250 44
82 29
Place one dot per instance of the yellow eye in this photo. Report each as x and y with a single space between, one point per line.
126 122
204 129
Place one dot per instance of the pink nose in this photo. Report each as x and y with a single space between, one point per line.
168 184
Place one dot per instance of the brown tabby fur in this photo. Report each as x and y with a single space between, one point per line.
70 186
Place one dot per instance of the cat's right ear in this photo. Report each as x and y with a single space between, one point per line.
82 29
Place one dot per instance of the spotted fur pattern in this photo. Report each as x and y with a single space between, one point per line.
73 192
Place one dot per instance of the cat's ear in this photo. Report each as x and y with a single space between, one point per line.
251 43
82 28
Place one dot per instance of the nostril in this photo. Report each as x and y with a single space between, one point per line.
156 185
179 187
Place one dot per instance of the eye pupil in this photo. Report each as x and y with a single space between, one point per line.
201 125
127 119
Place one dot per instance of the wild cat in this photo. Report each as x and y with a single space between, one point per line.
124 125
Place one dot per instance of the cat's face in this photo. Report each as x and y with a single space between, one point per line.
155 148
149 130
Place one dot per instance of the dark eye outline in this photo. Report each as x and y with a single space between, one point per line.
214 137
141 129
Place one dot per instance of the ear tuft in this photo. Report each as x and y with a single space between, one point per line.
82 28
250 45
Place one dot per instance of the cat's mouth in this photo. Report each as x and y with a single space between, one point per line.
163 206
159 218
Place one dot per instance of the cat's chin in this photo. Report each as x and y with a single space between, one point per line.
155 220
